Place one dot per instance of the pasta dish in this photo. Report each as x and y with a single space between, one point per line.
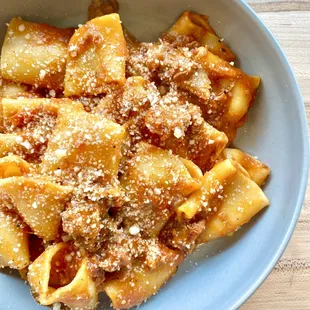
116 158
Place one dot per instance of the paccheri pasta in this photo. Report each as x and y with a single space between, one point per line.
114 155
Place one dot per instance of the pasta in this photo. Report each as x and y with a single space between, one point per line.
257 170
197 26
242 199
92 68
10 144
11 166
146 282
9 89
14 250
73 279
232 95
40 203
35 54
91 152
152 191
213 183
115 155
27 125
14 111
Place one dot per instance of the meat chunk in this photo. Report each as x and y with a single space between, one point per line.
83 221
160 62
182 129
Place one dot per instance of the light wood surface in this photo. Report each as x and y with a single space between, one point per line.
288 286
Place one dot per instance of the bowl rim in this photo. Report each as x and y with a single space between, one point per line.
305 157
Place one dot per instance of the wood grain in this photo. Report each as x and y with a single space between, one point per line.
279 5
288 286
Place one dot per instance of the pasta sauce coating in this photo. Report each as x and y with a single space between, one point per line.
114 155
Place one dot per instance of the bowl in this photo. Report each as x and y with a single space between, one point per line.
222 274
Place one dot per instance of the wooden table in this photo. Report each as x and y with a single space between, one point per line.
288 286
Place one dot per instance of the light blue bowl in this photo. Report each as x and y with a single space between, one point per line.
276 133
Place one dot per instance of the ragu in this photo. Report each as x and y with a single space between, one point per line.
114 155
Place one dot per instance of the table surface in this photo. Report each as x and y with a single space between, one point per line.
288 286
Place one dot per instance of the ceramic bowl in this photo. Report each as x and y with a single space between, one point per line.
223 274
